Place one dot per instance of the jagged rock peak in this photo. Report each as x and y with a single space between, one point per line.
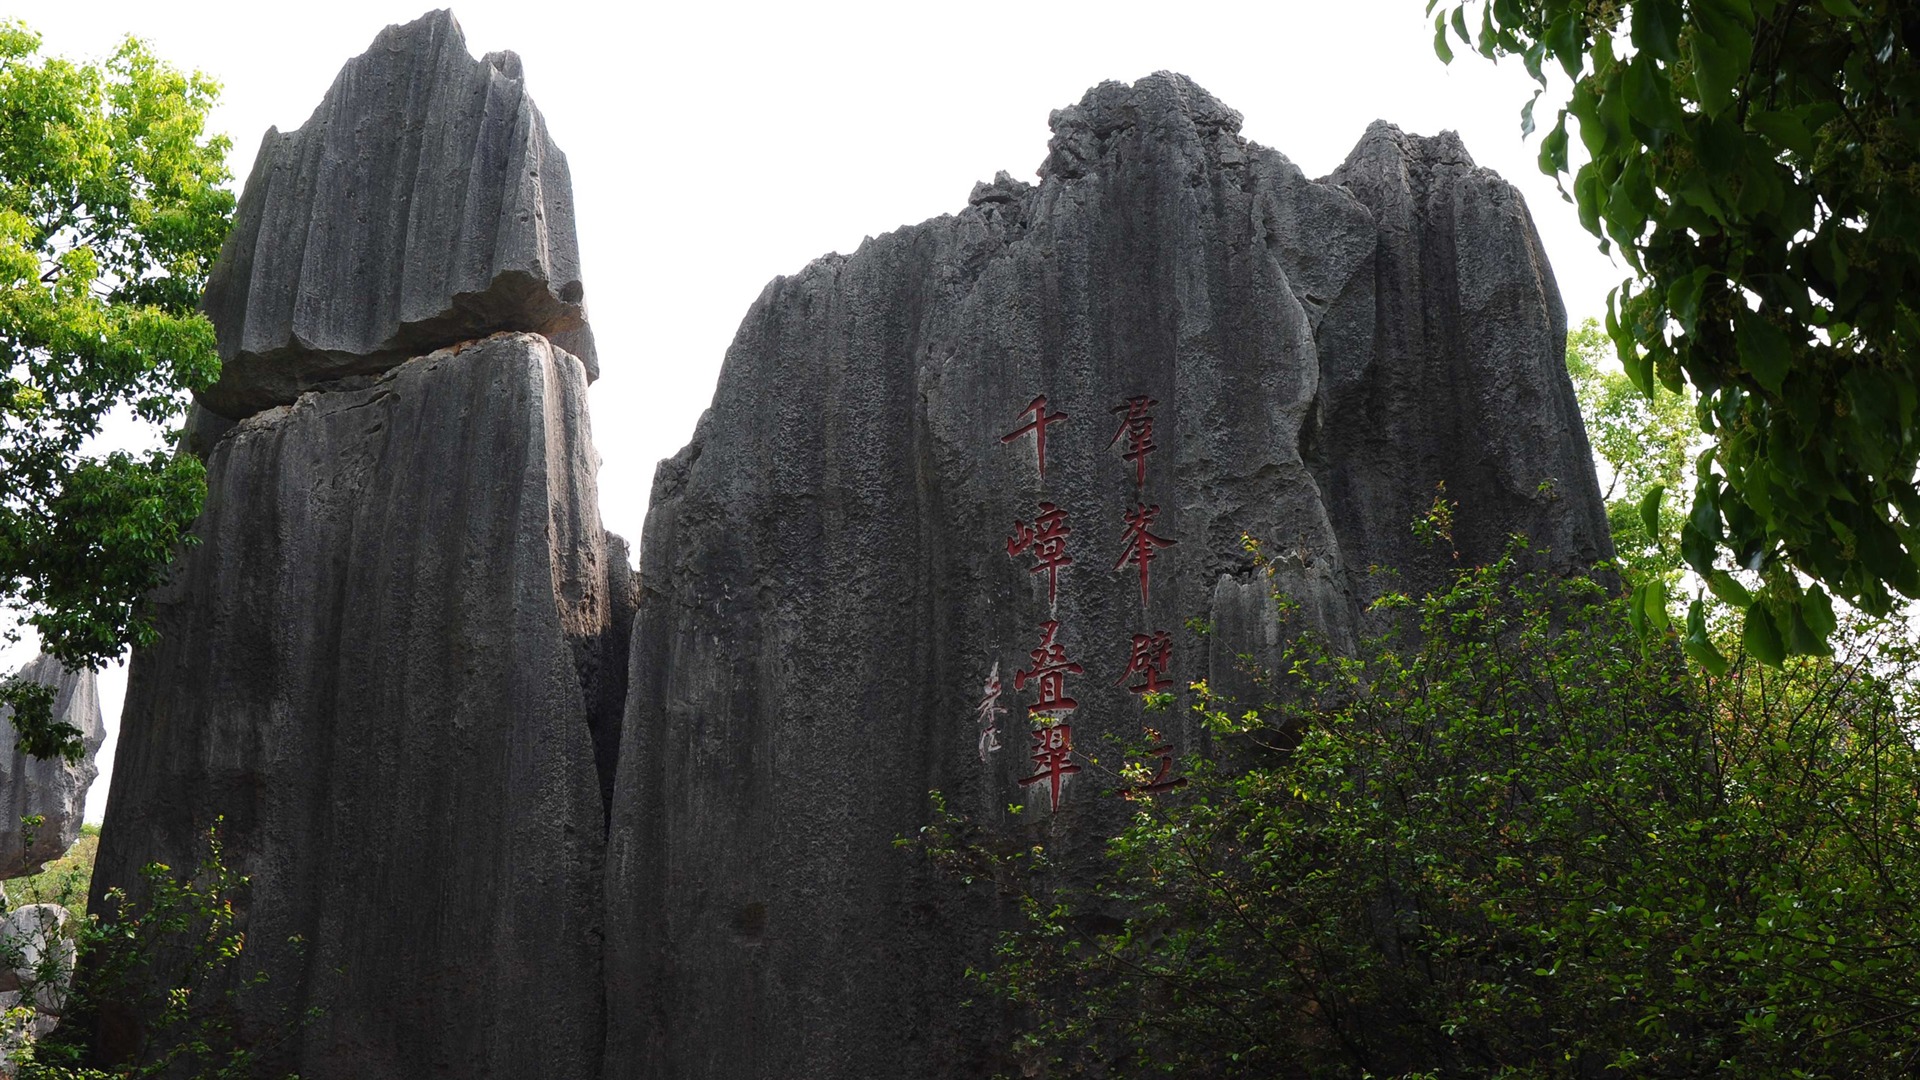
422 204
1161 103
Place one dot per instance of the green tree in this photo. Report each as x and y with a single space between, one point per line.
1642 442
111 212
1515 843
1757 164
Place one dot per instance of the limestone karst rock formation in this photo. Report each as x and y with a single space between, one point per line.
422 203
49 788
984 471
394 661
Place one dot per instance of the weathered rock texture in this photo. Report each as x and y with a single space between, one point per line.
827 588
374 666
421 204
48 787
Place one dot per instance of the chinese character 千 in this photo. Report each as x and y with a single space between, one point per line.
989 713
1047 539
1137 426
1038 425
1052 759
1141 545
1150 656
1050 670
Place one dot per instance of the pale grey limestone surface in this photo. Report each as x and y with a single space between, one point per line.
48 787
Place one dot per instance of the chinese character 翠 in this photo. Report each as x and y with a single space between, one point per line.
989 713
1050 670
1052 759
1141 545
1038 425
1150 656
1047 538
1137 426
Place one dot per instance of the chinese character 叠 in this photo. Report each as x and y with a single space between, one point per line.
1137 426
1160 782
1141 545
1038 425
1052 759
989 713
1047 538
1050 669
1150 657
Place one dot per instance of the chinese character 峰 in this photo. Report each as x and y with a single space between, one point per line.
1141 545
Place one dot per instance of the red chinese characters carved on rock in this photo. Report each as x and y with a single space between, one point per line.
1037 408
1150 656
1137 426
1050 670
1141 544
1160 781
1052 759
1046 537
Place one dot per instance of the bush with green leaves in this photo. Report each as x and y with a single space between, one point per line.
1513 839
156 985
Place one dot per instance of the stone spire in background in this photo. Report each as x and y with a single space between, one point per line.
48 788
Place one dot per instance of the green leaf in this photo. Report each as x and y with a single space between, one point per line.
1563 40
1460 24
1764 350
1440 46
1721 51
1785 129
1553 148
1699 646
1683 298
1762 638
1656 29
1650 510
1817 608
1728 589
1650 94
1654 597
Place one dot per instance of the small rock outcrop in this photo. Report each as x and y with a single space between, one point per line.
48 788
392 667
36 970
965 495
421 204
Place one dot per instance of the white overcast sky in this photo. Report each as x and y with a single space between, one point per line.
714 146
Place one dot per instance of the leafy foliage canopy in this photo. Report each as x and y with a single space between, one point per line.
111 212
1757 165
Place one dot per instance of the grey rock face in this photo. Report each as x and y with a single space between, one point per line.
856 584
380 665
422 204
49 788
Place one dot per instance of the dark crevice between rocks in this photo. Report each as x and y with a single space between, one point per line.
601 661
